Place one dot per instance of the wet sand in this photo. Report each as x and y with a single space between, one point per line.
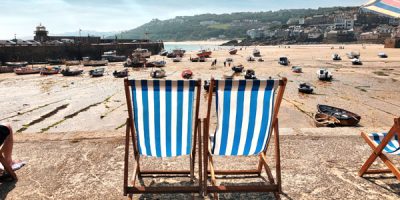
71 129
34 103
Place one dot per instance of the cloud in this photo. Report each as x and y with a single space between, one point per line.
21 16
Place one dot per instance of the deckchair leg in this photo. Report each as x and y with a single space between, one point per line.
267 169
278 156
205 157
372 158
367 164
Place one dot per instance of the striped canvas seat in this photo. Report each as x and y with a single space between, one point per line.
389 8
392 147
162 111
244 112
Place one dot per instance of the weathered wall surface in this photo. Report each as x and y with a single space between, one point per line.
392 43
42 53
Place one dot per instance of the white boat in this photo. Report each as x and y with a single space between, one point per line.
144 53
356 61
324 74
256 53
382 55
177 59
336 57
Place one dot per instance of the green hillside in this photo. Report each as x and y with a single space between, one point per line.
205 26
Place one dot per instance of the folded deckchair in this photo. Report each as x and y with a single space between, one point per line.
247 112
163 122
381 143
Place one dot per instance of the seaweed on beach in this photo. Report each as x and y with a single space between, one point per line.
380 73
74 114
41 118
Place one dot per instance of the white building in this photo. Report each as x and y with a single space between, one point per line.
343 23
255 33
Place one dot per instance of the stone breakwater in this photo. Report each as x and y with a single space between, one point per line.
71 52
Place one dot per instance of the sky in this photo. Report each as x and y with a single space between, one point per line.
20 17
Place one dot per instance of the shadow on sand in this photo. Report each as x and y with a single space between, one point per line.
5 188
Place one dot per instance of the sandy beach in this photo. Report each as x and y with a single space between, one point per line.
89 104
71 129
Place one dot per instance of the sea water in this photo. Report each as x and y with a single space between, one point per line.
192 46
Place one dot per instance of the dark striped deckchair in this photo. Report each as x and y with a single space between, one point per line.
381 143
247 113
163 122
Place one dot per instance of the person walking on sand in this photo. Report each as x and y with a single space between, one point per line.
6 147
224 63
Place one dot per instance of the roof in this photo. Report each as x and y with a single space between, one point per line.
389 8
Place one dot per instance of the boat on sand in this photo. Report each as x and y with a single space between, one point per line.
345 117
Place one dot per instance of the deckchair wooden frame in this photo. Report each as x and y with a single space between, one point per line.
276 188
130 134
377 152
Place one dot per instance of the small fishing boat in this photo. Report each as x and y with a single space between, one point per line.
97 72
382 55
204 53
353 54
356 61
250 74
198 59
50 70
345 117
250 59
143 53
156 64
324 74
233 51
135 62
306 88
324 120
111 56
6 69
121 74
336 57
177 59
260 60
297 69
159 73
179 52
72 62
55 61
163 52
171 55
26 70
87 62
71 72
16 64
238 69
187 74
256 53
284 61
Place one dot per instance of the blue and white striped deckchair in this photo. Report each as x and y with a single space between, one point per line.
383 143
244 112
246 116
163 120
392 146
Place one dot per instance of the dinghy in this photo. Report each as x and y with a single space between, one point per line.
345 117
324 120
305 88
250 74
